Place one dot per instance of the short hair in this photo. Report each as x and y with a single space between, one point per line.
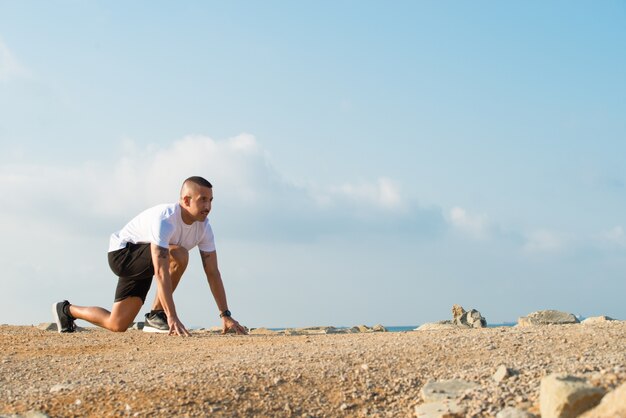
200 181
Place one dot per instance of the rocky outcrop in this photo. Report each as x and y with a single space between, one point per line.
460 319
564 396
470 319
365 328
602 319
547 317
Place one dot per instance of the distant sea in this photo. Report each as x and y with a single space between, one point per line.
404 328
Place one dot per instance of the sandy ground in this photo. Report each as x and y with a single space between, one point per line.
98 373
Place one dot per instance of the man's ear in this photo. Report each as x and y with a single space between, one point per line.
186 200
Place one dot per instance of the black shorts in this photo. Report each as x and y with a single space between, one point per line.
133 265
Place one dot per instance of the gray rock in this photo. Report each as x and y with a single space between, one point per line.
47 326
470 319
361 328
379 328
564 396
61 387
434 391
511 412
441 409
547 317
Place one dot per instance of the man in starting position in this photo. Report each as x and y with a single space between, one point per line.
157 243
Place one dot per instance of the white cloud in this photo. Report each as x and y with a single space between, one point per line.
10 68
616 236
543 241
252 196
477 226
383 193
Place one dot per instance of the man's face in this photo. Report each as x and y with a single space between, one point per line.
199 202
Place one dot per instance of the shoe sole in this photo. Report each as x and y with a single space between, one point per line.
55 315
148 328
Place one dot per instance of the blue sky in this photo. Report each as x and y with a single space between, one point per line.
372 162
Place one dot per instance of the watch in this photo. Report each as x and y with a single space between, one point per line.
225 313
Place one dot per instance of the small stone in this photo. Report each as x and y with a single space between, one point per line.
511 412
440 409
502 373
60 387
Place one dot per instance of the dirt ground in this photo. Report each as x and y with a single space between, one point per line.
98 373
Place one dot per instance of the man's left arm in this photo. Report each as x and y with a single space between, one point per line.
209 263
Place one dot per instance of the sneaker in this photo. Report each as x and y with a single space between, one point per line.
65 323
156 321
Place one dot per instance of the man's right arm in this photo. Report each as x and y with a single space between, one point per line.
161 261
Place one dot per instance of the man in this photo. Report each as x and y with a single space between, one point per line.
157 243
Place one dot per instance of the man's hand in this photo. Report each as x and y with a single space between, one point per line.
177 327
229 324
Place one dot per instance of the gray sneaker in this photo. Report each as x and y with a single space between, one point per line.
65 323
156 322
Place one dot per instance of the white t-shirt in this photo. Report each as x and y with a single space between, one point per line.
163 225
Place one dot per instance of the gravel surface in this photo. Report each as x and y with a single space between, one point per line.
99 373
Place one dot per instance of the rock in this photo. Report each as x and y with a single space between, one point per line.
612 405
502 373
262 331
434 391
511 412
564 396
436 325
463 318
547 317
61 387
29 414
442 409
379 328
597 320
47 326
361 328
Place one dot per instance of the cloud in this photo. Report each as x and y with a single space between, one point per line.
10 68
544 241
615 236
253 200
476 226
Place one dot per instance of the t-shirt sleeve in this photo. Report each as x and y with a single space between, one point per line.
161 232
208 240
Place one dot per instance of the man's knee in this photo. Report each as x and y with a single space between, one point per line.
118 328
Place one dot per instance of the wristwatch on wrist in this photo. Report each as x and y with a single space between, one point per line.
225 313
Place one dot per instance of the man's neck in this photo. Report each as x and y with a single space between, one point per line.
186 216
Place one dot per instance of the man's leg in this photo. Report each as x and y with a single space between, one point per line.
118 320
179 258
